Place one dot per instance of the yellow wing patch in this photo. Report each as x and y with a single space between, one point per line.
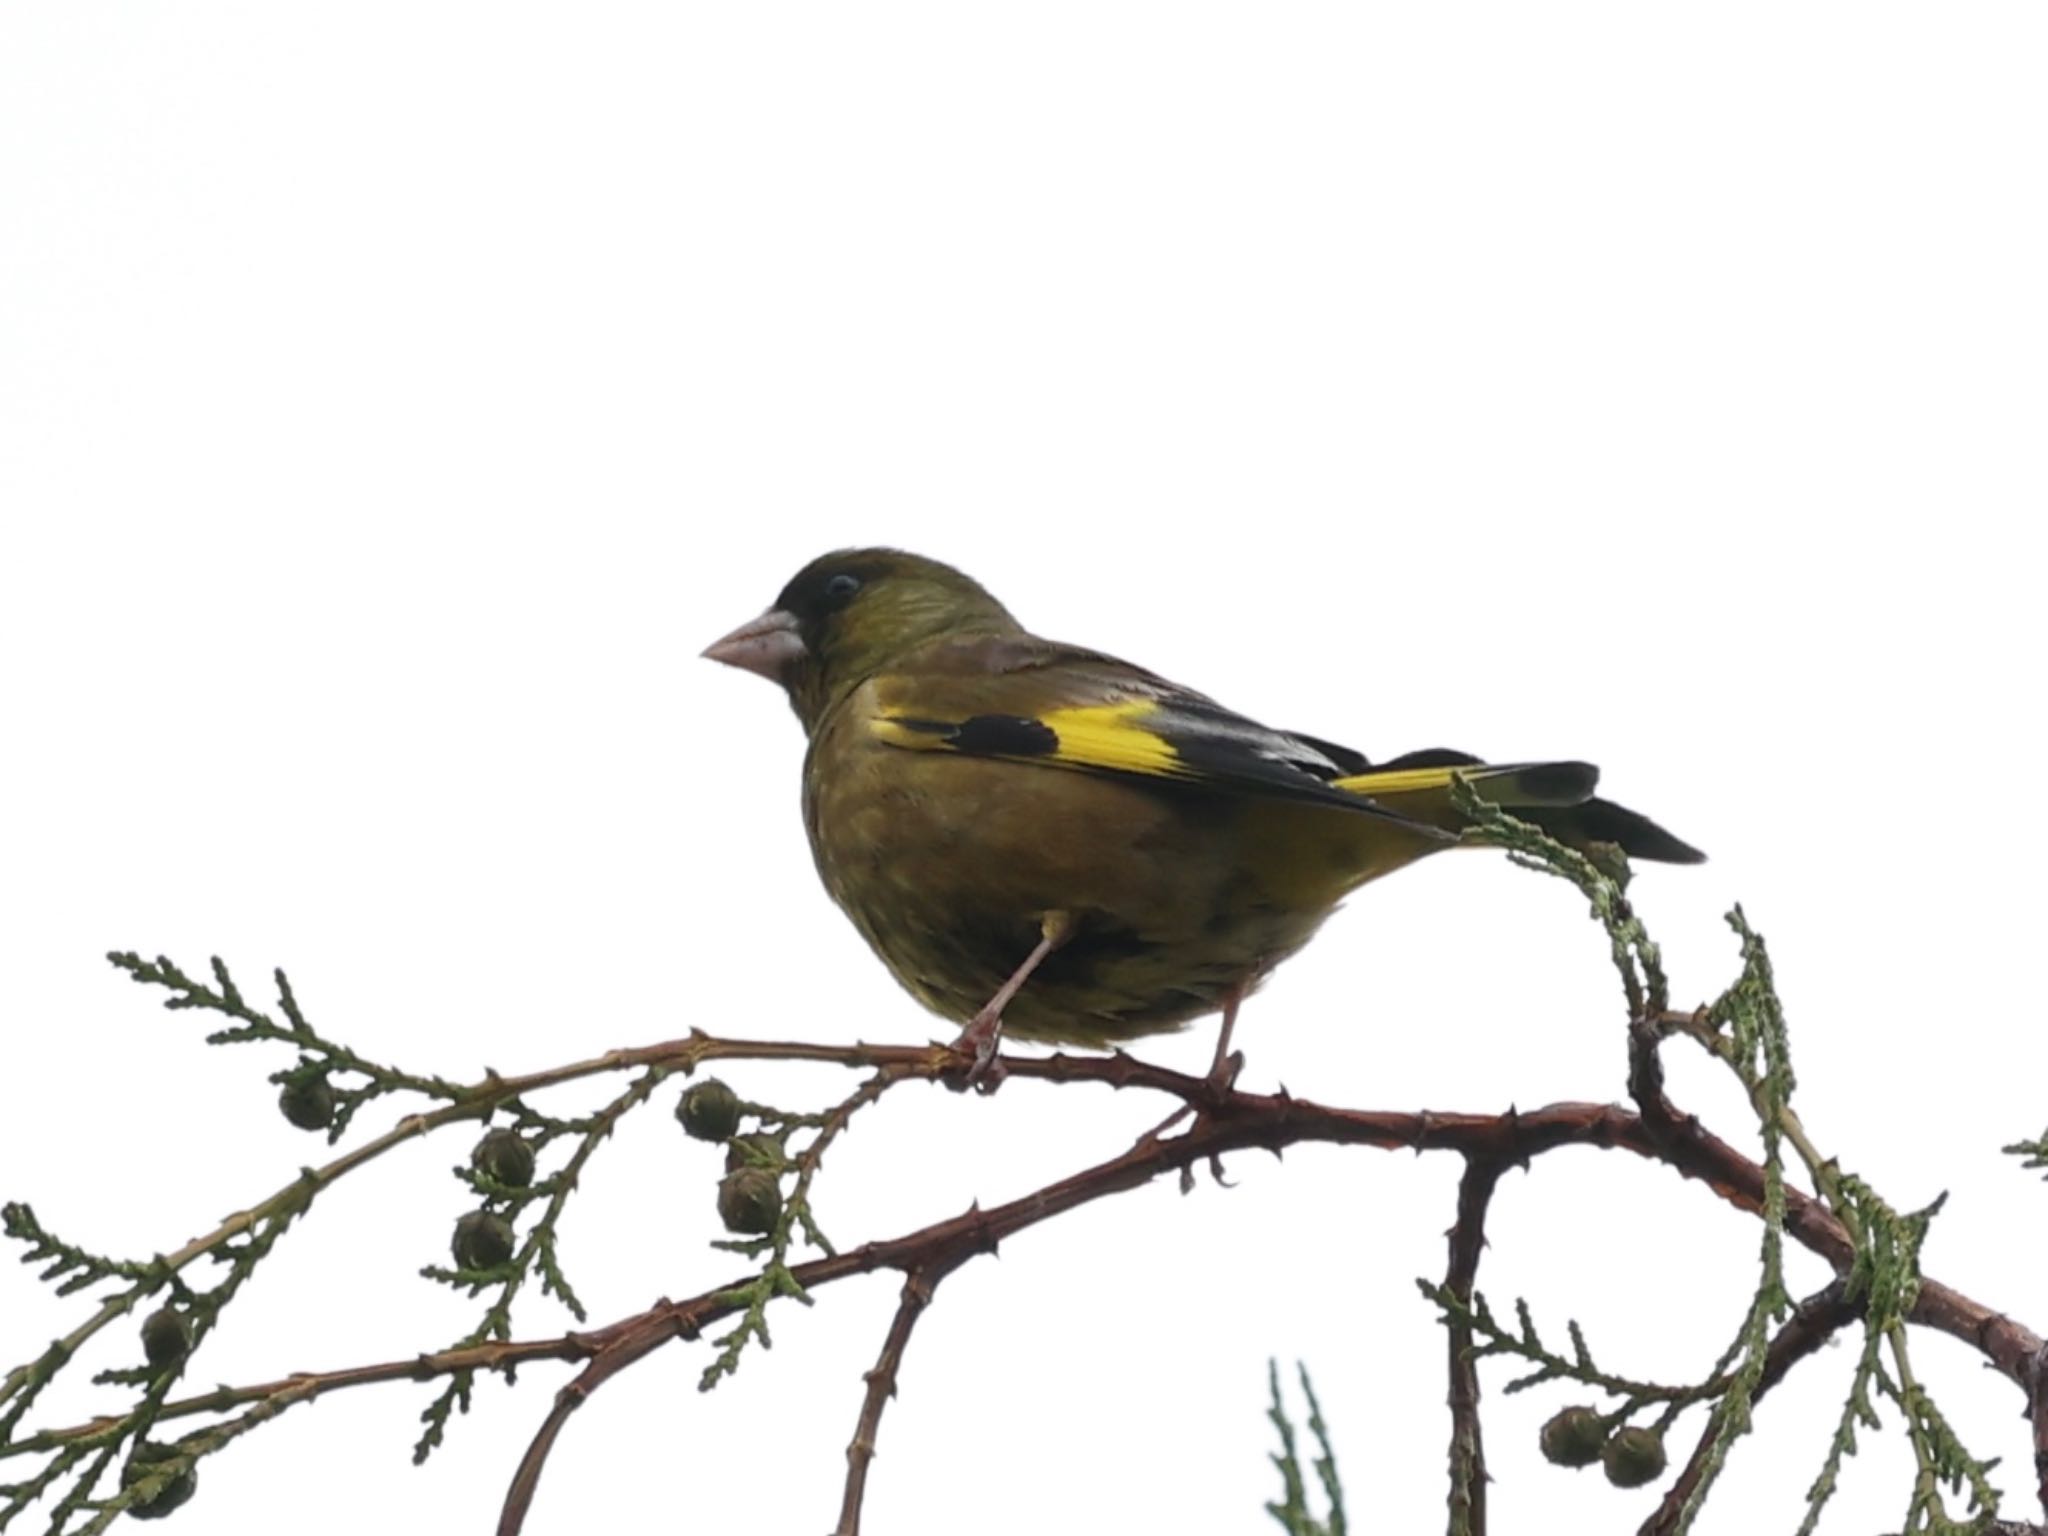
1109 736
1104 737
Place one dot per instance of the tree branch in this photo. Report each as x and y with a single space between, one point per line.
2038 1397
918 1286
1468 1454
1242 1121
1812 1323
1238 1121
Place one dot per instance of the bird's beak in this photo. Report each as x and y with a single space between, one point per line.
766 645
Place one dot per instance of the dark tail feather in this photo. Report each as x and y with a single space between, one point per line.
1588 821
1602 821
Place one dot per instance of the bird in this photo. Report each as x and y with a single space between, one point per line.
1044 841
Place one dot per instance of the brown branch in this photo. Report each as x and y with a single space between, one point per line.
1237 1122
1468 1452
1243 1121
526 1480
1938 1307
571 1396
2037 1396
1812 1323
476 1100
918 1286
1646 1076
306 1385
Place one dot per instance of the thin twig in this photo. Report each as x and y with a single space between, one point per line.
1468 1455
474 1101
918 1286
1812 1323
2037 1397
829 1130
306 1385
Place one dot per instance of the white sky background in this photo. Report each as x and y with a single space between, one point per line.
394 399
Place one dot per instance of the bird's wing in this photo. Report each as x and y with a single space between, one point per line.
1034 701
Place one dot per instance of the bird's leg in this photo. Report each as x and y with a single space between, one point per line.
1225 1066
985 1029
1223 1070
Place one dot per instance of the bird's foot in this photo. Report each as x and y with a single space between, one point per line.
1210 1099
976 1046
1222 1078
1216 1091
1187 1175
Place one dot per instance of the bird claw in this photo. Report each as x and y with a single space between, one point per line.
1209 1101
1211 1098
1187 1175
1222 1078
984 1071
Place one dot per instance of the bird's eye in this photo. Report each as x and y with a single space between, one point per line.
841 587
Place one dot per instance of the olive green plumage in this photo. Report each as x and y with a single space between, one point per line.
967 782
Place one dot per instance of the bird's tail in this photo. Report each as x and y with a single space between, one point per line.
1558 797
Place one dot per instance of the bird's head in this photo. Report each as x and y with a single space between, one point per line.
848 615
